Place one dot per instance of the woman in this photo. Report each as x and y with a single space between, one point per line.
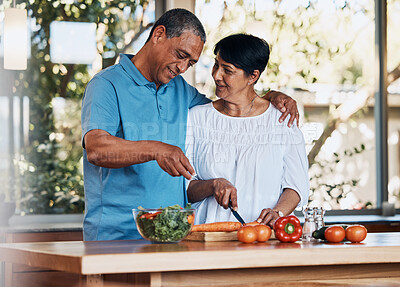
241 153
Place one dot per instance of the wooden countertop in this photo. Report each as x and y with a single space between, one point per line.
106 257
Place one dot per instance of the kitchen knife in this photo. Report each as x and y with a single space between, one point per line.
235 214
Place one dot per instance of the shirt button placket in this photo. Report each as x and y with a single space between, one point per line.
161 108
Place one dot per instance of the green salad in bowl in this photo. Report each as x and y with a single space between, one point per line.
170 224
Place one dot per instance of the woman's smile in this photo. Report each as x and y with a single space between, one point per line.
220 89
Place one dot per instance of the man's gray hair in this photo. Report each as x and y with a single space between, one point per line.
176 21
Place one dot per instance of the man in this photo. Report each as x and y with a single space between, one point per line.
134 127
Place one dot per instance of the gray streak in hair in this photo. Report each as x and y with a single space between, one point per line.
176 21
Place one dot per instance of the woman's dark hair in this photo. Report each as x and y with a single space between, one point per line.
246 52
176 21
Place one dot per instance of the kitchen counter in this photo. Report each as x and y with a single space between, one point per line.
38 228
44 223
189 263
73 223
43 227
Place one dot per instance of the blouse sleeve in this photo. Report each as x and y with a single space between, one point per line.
295 174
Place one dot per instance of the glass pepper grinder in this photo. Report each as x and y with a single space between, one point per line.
309 224
319 213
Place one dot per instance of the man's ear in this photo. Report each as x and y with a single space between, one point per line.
159 33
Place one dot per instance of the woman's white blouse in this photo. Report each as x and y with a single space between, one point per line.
258 155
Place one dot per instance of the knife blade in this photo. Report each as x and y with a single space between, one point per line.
236 214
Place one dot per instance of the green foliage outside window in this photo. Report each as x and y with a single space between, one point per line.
51 167
52 163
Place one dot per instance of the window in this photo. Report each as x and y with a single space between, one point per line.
322 54
41 166
393 62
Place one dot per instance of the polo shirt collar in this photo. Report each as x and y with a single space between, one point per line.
130 68
133 72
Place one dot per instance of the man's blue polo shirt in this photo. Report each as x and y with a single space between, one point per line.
121 101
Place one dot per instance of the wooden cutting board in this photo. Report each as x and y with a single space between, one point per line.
212 236
216 236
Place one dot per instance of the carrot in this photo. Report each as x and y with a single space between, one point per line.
152 215
254 223
225 226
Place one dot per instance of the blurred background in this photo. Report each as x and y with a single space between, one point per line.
324 53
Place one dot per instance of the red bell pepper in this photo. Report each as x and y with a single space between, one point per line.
288 228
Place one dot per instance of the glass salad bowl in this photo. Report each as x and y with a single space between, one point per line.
170 224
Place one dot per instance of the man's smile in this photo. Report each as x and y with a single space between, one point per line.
172 73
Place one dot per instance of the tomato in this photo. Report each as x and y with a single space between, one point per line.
356 233
335 233
263 232
247 234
